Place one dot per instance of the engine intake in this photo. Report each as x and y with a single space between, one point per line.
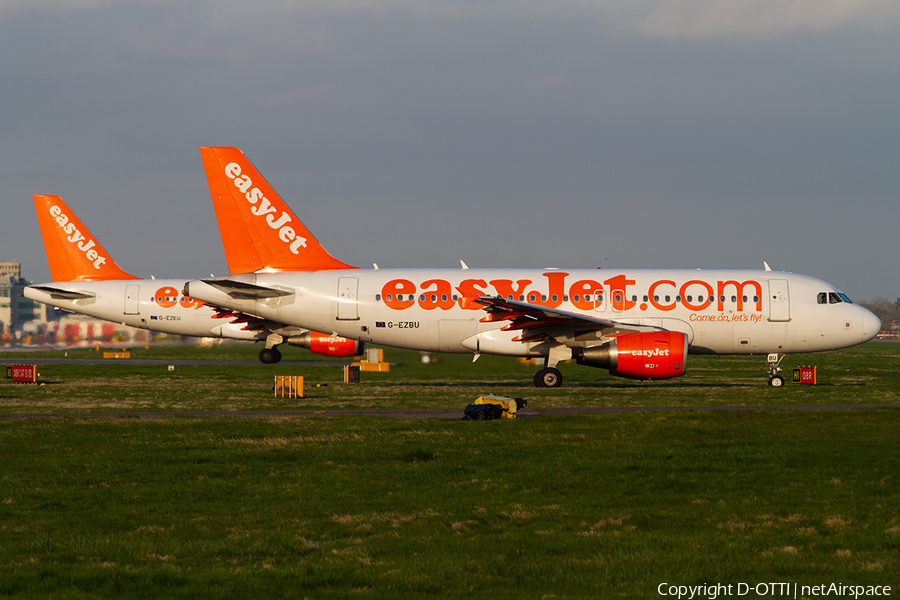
643 355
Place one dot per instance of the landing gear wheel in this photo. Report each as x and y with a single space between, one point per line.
776 381
269 356
548 378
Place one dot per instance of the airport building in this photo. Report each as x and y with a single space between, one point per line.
14 309
24 322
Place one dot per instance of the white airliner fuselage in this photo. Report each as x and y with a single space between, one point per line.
720 312
158 305
639 324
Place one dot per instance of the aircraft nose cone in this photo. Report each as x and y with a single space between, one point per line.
871 325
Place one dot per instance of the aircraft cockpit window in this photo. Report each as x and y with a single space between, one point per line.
822 298
834 298
845 298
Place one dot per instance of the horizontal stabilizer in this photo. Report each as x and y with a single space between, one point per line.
245 291
59 294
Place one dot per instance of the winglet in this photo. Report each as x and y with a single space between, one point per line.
258 229
72 252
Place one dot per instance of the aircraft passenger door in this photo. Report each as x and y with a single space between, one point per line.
132 296
779 300
347 296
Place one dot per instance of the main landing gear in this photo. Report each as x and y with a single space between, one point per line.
548 378
773 369
269 356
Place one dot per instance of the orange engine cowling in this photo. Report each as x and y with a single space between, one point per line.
327 345
644 355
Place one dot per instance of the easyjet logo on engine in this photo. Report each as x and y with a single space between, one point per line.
616 293
651 352
74 235
262 207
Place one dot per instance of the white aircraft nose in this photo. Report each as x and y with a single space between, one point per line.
871 325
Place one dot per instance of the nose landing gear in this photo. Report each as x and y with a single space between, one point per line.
773 369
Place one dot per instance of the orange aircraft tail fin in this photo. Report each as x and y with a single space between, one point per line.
258 229
72 252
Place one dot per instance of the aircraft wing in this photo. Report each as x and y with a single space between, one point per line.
60 294
538 322
240 290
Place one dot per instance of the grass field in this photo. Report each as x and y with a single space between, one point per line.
586 506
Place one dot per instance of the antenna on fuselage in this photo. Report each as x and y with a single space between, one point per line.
766 265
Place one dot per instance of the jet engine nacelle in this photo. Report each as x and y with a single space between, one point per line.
644 355
327 345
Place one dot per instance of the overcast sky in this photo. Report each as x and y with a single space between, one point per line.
414 133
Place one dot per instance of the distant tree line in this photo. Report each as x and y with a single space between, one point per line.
887 311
